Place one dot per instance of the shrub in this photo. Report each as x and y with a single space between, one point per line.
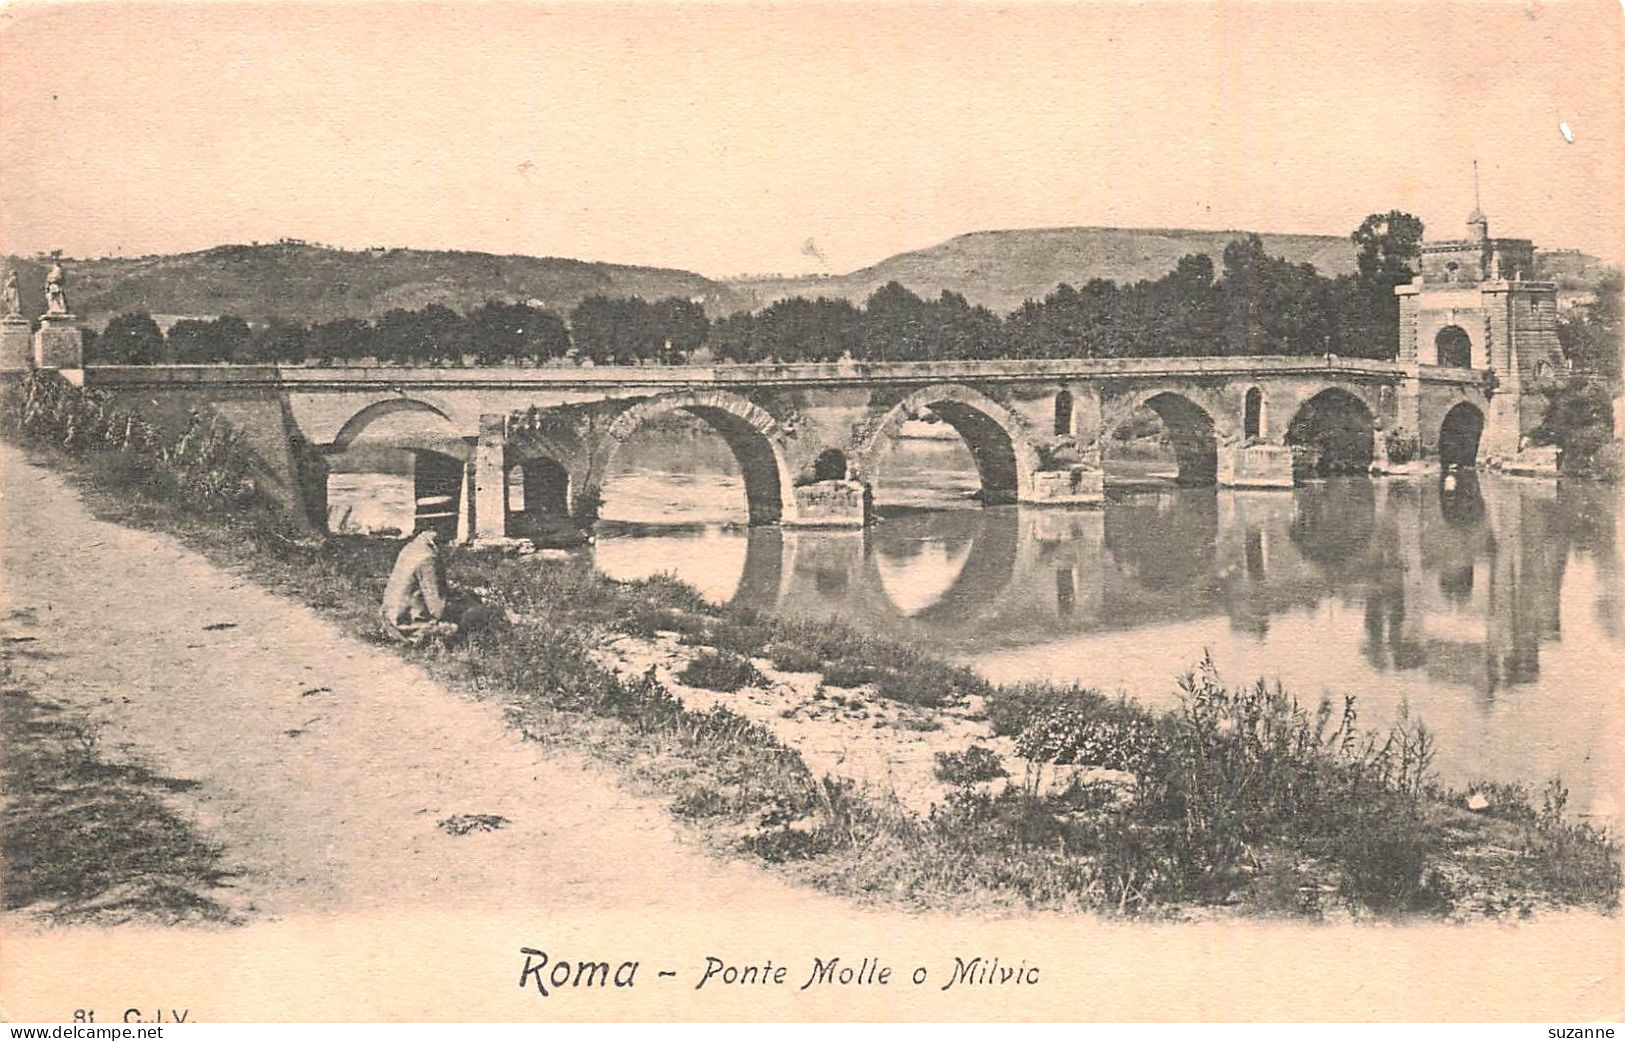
205 466
846 672
974 765
1010 709
793 658
1077 736
721 672
1402 446
1574 862
1580 421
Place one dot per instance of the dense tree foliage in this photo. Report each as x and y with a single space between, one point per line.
627 330
1580 409
1591 334
200 342
130 339
1258 304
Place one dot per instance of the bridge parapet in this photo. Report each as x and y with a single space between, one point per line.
313 378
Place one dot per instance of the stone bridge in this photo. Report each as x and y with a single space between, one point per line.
808 437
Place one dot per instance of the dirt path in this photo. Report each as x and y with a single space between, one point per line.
324 764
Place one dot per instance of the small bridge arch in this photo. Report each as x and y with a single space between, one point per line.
413 424
754 436
351 471
997 438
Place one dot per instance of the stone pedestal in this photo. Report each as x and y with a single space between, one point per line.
59 343
1255 466
1073 486
831 504
16 344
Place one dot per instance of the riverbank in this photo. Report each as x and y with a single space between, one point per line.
1239 802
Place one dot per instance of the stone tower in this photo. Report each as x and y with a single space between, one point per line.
1477 305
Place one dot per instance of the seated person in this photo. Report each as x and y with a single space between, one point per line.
417 604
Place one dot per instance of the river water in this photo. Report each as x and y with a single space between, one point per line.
1487 607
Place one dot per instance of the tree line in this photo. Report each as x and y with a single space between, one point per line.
1254 304
602 330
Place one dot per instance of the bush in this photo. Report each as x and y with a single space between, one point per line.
1402 446
1574 862
721 672
1011 708
974 765
205 466
1075 736
793 658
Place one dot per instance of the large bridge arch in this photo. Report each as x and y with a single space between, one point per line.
754 436
998 439
1187 416
1337 428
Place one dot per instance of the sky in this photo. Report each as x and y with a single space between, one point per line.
729 138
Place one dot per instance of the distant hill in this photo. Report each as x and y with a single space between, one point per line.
1002 269
314 283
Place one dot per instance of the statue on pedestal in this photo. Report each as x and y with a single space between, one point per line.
11 301
56 301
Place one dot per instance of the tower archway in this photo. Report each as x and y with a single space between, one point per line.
1453 348
1459 435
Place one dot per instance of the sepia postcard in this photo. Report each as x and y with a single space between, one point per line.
866 511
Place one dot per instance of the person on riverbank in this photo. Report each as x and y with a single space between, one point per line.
418 604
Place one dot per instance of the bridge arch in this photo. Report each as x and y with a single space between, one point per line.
1335 429
1189 424
414 424
396 465
829 465
754 436
1460 433
998 440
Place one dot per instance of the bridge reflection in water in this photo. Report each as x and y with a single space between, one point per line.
1489 607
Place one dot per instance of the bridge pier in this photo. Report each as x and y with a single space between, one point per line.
836 503
1069 486
490 481
1255 466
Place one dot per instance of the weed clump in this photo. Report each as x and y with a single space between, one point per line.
722 672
